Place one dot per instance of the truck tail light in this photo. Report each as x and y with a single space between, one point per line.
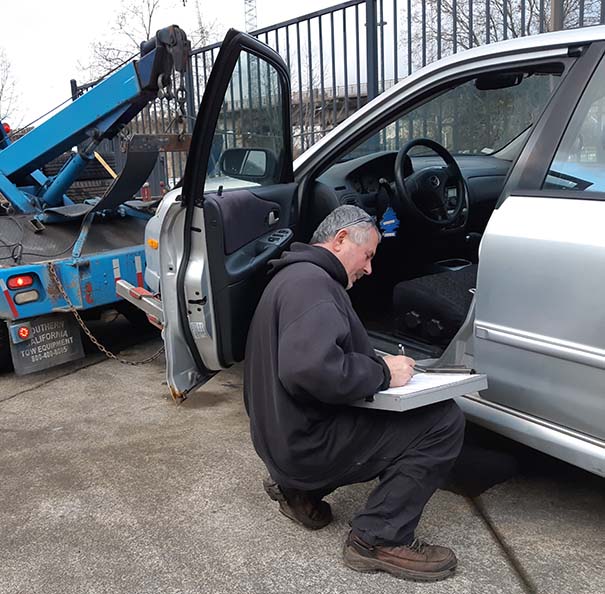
23 332
20 281
6 127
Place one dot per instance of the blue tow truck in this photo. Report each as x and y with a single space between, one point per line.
58 257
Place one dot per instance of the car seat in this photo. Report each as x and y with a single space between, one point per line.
433 307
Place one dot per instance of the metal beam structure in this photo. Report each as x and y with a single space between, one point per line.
250 12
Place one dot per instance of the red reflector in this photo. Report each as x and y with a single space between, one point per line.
23 332
20 282
7 128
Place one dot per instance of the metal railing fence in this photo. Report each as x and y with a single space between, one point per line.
342 56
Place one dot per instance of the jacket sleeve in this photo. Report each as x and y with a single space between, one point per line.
312 362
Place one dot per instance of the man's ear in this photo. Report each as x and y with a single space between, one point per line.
338 240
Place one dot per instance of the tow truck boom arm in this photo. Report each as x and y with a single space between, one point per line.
97 115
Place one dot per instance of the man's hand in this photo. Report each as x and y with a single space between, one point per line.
401 368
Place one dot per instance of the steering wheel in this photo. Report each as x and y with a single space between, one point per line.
425 193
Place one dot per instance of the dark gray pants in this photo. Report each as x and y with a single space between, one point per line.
412 460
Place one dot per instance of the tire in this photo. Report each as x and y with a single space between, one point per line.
134 315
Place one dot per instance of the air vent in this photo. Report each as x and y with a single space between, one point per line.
350 199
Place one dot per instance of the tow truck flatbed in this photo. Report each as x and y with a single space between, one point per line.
56 241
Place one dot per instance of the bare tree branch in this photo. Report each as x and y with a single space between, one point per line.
136 21
507 19
9 95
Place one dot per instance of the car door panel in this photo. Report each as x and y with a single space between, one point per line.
540 323
244 231
539 330
230 233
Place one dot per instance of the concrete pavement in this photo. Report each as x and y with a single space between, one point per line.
107 486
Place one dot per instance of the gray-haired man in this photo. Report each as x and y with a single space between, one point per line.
308 357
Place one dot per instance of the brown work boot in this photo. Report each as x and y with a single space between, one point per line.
310 512
419 561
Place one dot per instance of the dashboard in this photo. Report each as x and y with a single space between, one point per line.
358 181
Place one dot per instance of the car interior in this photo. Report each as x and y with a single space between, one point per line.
431 180
430 172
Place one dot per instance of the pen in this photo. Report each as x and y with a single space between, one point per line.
465 370
401 351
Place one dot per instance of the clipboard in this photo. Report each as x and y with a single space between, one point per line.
424 389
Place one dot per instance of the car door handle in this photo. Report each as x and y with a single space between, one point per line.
273 217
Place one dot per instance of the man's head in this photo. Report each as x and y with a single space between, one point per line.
352 236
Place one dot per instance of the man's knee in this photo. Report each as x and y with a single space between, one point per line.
447 425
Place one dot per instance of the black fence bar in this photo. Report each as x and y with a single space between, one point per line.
322 76
455 26
471 41
311 84
372 48
300 88
358 59
505 20
424 33
288 48
438 29
381 24
345 70
333 52
409 35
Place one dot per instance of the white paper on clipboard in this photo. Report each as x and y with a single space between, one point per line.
424 389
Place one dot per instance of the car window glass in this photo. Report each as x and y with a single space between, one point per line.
248 145
580 159
478 116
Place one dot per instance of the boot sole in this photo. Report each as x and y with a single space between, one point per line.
273 491
276 495
286 511
358 562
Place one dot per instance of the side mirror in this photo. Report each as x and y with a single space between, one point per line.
252 164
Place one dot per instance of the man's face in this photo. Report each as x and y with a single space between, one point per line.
356 259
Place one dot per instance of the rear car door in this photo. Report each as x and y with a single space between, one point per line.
236 212
540 322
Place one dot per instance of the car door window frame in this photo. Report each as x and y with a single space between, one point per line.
235 43
194 179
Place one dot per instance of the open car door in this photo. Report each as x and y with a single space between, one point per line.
236 212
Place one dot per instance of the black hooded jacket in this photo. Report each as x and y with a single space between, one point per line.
307 357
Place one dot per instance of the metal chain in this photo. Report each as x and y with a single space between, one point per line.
53 275
181 100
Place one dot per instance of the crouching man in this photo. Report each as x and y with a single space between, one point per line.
308 357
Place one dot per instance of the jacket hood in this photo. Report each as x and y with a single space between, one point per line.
301 252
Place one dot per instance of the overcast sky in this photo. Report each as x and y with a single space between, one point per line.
47 39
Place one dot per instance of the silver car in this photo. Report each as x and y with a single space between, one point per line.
486 173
